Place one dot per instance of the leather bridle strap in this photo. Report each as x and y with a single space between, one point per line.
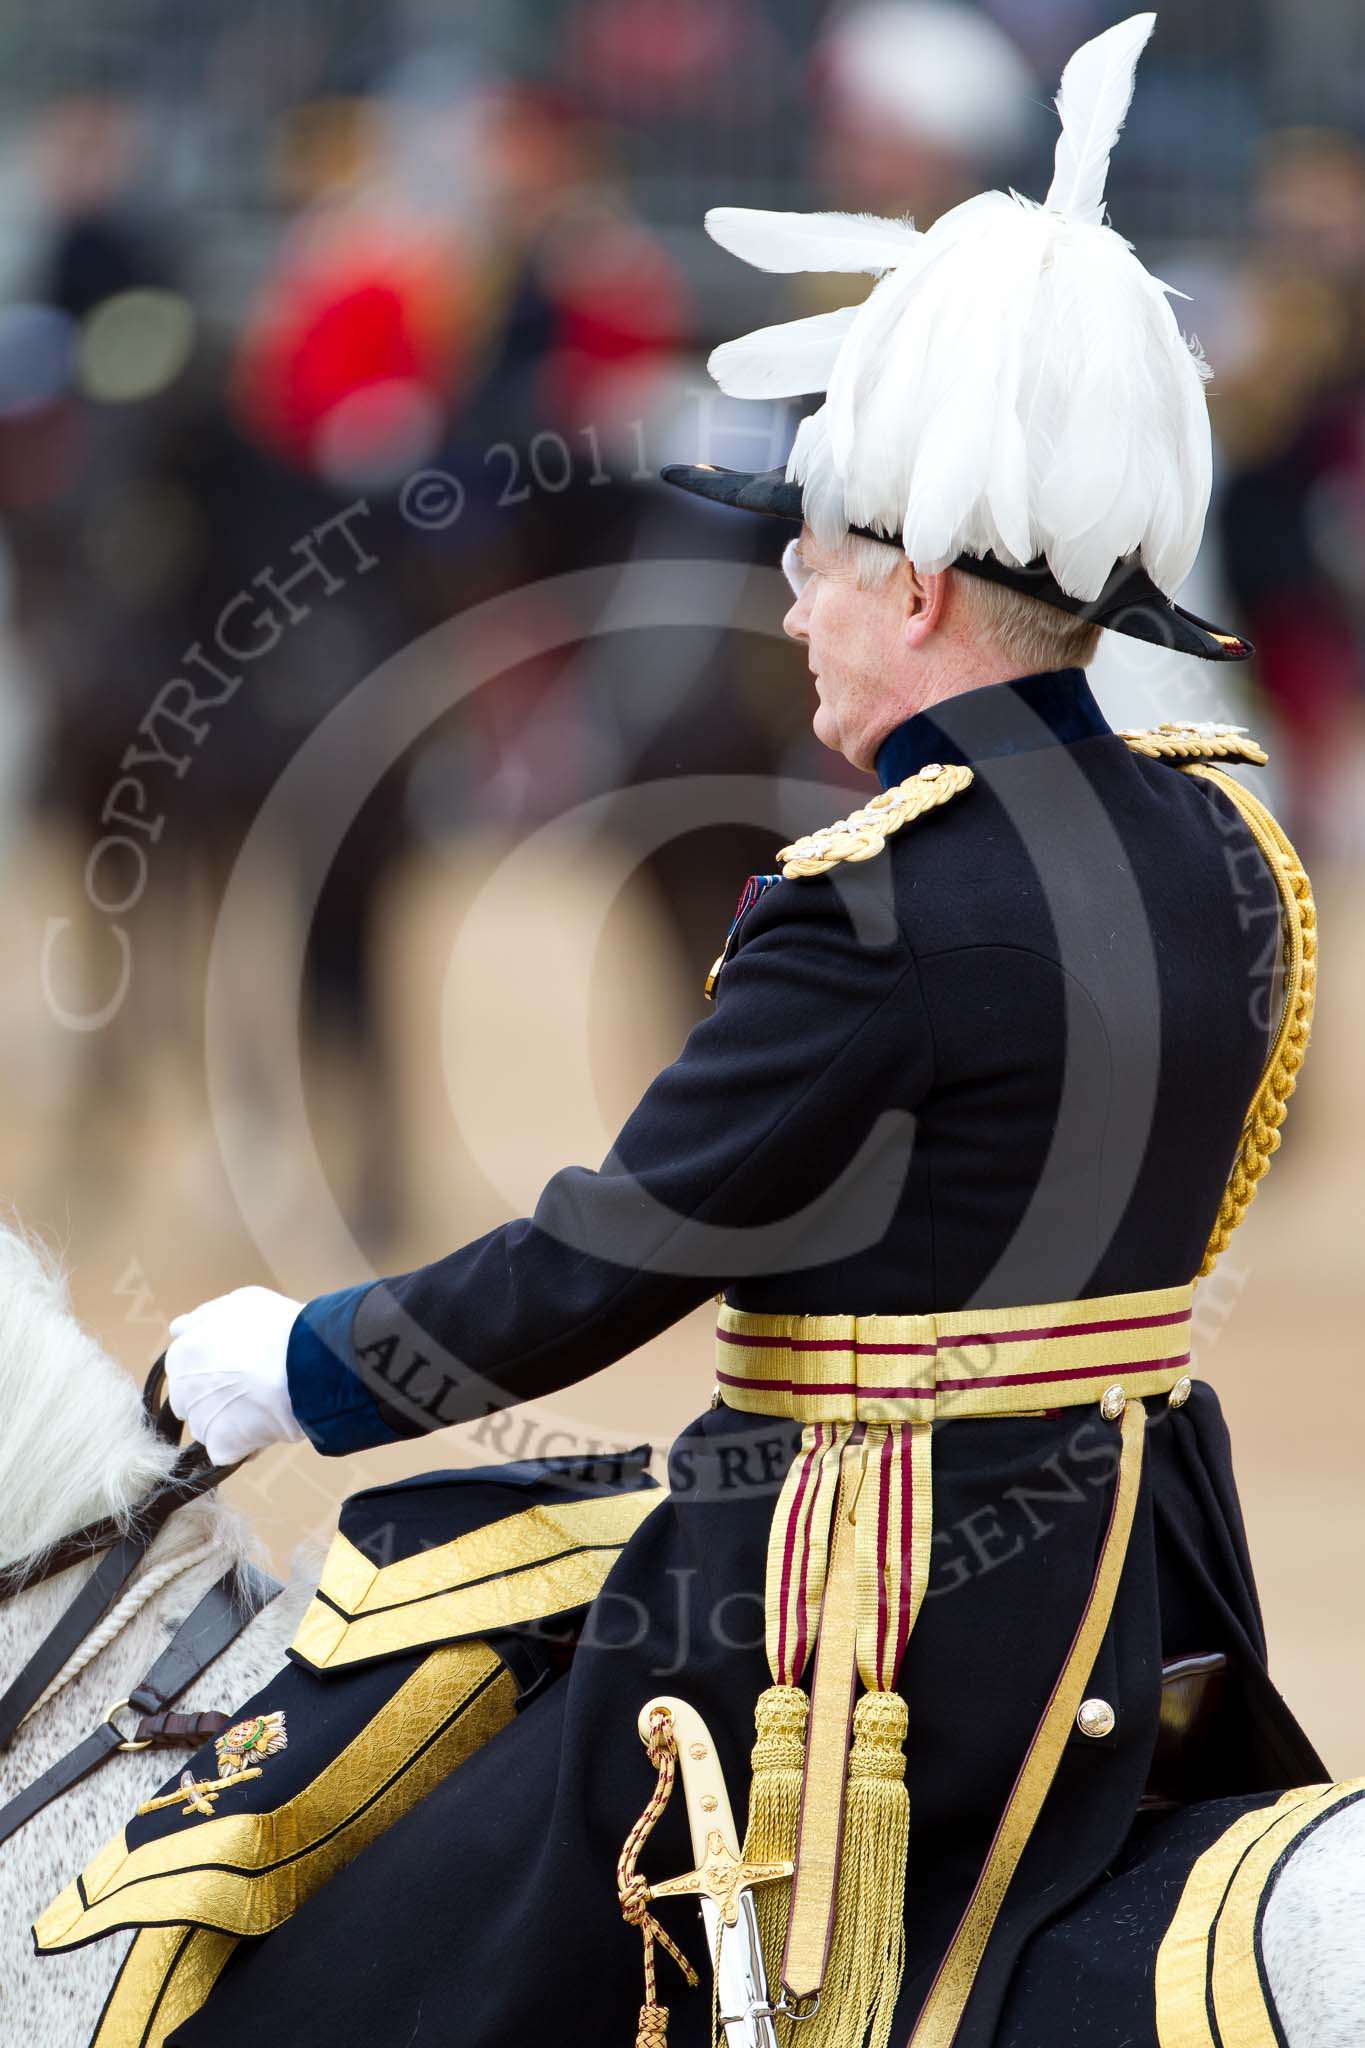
182 1486
83 1544
156 1405
225 1610
100 1590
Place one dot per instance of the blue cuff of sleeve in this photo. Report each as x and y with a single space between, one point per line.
330 1402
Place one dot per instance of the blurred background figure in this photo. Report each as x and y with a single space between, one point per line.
95 341
1292 425
340 346
920 100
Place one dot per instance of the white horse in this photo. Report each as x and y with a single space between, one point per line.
75 1448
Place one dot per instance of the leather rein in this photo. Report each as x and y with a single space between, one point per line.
218 1620
186 1482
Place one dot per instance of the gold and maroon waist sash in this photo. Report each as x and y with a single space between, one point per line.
848 1565
976 1361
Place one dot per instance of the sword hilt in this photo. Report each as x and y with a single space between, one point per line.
721 1872
722 1882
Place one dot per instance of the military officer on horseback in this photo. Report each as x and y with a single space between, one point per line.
985 1088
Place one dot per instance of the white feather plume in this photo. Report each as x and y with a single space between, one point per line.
783 361
1097 88
811 241
822 488
1015 381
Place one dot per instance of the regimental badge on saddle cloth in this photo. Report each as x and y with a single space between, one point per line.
246 1742
240 1752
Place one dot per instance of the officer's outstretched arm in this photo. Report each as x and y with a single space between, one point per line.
777 1140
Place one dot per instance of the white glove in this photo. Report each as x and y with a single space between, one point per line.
225 1372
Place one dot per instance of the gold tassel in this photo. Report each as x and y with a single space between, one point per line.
867 1955
876 1841
778 1760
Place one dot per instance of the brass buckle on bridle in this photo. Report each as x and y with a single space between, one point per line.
127 1741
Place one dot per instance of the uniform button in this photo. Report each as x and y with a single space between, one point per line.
1113 1401
1095 1717
1180 1392
715 1396
930 770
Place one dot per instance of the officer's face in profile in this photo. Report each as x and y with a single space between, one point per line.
855 640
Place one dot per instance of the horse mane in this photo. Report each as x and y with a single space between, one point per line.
75 1446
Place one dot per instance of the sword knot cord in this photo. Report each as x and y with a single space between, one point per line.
633 1890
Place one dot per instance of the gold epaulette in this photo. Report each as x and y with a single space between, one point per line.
863 834
1175 742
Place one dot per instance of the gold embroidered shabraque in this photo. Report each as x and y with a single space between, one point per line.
1222 1898
543 1561
245 1873
166 1976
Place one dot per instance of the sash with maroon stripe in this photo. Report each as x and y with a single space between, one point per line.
847 1570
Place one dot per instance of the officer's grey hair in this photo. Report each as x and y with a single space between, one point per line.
1033 634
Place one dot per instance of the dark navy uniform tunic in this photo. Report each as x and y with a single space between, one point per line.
1006 1061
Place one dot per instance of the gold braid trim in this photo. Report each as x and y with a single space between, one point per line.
1207 1968
1175 742
1270 1105
166 1976
863 835
941 2014
525 1567
245 1873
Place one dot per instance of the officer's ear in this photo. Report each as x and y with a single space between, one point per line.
925 599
